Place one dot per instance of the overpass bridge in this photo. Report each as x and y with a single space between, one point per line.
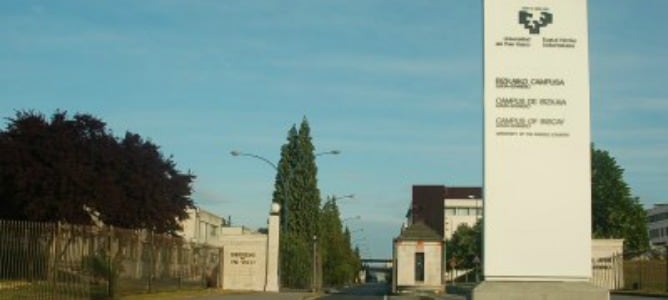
377 269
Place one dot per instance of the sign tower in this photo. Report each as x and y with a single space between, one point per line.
537 225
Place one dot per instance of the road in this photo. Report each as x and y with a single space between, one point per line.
364 292
376 291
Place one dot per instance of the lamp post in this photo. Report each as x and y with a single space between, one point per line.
286 195
351 218
349 196
283 179
315 267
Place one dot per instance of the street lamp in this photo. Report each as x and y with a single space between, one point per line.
351 218
349 196
239 153
284 209
362 239
331 152
283 179
315 268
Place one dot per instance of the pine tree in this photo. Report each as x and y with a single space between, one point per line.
306 186
286 165
296 189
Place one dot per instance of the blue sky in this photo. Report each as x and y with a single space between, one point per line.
395 85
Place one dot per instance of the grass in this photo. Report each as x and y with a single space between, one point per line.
44 290
181 294
127 288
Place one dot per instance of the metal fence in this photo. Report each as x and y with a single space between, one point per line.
60 261
646 273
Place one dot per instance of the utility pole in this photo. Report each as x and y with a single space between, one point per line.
315 239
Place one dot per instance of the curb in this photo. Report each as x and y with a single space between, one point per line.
639 294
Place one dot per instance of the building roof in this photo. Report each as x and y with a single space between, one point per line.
419 232
463 192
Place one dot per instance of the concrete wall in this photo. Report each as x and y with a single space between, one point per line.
405 265
608 263
244 262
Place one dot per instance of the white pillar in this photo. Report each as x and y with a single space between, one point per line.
273 232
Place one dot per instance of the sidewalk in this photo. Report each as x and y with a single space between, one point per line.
222 295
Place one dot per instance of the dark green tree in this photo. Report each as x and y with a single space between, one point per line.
339 260
296 189
305 210
286 165
615 212
464 246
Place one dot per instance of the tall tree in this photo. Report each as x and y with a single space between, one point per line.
305 185
286 166
615 212
339 261
71 169
296 188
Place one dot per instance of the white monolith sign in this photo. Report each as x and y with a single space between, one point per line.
537 217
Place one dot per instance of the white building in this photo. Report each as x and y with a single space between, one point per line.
462 205
657 224
245 259
202 227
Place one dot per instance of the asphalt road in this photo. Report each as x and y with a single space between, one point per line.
377 291
364 292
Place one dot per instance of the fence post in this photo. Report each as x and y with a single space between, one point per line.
640 274
220 267
150 264
179 254
110 289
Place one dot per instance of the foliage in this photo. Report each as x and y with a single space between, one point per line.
305 212
100 266
296 189
294 272
340 262
464 246
74 170
284 174
615 213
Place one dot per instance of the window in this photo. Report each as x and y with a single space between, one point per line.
214 230
419 266
461 211
449 211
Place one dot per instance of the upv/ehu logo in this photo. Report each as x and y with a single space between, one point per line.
534 24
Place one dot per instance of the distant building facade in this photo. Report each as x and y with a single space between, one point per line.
462 205
244 259
657 224
202 227
444 208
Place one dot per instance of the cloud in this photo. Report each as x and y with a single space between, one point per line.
386 65
635 104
